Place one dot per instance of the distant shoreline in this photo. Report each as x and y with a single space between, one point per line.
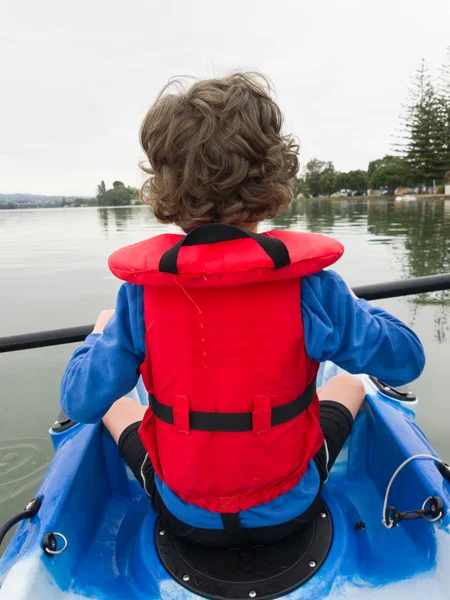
8 208
40 207
29 206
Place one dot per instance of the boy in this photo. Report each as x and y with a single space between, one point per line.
227 328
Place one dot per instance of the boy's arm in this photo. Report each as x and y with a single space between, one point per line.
355 335
106 366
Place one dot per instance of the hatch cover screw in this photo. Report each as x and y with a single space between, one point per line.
186 577
323 515
312 564
162 532
252 594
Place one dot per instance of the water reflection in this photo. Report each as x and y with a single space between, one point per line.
116 218
120 218
424 227
122 215
103 215
418 232
322 215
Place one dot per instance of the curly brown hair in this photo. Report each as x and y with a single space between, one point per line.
216 153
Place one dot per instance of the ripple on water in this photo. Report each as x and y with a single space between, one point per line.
22 465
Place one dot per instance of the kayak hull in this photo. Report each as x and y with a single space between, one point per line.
90 497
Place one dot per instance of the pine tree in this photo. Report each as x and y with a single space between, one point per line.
101 190
421 142
443 92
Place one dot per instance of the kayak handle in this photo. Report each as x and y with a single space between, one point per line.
50 544
30 510
432 509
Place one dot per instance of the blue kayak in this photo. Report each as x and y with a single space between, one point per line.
95 535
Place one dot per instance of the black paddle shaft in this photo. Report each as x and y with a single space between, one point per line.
376 291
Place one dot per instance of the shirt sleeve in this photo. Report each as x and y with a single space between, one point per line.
355 335
105 367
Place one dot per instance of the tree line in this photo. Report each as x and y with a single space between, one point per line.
119 195
420 155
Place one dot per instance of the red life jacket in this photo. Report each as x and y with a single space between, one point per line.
233 418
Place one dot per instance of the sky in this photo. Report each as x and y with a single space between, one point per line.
76 78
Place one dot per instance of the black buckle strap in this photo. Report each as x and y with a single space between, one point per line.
235 422
220 232
231 523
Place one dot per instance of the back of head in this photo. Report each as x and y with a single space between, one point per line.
217 155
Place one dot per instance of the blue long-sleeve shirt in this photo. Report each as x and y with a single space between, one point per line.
352 333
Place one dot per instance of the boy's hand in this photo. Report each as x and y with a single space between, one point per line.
103 318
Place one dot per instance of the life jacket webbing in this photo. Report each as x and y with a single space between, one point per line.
231 522
260 420
219 232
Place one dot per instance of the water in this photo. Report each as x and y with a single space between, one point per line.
53 273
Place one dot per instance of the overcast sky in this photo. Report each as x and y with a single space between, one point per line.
77 77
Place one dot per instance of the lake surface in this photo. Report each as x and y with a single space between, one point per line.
53 273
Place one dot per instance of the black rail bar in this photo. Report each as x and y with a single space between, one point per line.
41 339
376 291
404 287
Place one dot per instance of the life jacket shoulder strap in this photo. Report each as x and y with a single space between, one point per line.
275 249
260 420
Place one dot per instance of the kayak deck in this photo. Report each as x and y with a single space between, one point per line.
92 499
